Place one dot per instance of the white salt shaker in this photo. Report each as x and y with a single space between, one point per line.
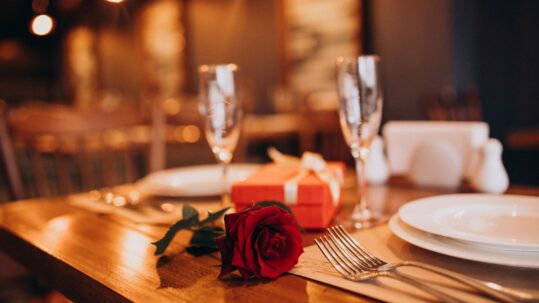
490 175
377 169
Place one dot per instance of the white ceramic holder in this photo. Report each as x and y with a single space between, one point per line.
489 175
436 163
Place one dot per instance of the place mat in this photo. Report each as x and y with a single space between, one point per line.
382 243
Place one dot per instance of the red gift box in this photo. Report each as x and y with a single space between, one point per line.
314 207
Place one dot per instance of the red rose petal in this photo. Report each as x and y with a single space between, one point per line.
266 270
262 242
231 221
226 266
286 226
291 252
239 243
252 223
274 248
275 267
279 220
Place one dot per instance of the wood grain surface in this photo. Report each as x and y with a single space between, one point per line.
97 258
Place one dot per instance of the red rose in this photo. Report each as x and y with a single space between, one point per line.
263 242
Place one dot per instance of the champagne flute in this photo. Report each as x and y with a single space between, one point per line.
220 107
360 111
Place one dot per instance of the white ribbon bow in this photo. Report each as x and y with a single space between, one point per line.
309 162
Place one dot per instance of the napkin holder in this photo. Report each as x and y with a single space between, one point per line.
434 153
314 206
436 164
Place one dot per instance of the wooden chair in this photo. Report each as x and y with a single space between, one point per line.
58 149
178 134
453 106
181 126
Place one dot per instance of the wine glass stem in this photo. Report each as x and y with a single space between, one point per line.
360 210
225 197
224 171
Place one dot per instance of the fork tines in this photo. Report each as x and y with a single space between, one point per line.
341 235
334 257
341 250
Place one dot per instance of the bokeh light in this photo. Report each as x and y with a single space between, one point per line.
9 50
42 25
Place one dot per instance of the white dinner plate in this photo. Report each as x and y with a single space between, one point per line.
450 247
194 181
509 222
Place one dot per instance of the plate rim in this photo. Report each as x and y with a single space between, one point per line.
144 184
433 243
485 240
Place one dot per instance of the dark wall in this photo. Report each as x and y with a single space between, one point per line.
496 45
413 37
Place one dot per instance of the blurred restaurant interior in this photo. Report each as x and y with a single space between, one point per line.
117 80
442 60
437 55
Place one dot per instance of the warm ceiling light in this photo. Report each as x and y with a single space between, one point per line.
115 1
42 25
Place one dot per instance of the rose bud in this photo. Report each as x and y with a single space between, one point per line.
263 242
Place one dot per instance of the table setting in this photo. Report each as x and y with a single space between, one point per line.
253 225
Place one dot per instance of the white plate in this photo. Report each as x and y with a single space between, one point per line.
194 181
458 249
505 221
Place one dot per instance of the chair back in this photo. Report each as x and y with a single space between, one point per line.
450 105
181 126
55 149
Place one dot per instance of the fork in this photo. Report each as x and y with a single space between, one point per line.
496 291
131 200
352 269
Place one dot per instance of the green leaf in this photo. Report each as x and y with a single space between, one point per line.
189 220
188 212
206 235
203 240
214 216
281 206
197 250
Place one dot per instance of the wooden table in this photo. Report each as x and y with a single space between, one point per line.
97 258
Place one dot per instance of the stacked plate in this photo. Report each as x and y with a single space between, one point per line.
499 229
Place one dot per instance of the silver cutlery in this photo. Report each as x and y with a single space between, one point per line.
357 270
496 291
131 200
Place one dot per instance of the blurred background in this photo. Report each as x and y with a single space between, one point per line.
475 60
109 87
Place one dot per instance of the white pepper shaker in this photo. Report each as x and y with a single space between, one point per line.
490 175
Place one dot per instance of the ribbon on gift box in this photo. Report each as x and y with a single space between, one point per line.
309 163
